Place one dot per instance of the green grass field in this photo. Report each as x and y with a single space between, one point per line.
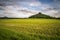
29 29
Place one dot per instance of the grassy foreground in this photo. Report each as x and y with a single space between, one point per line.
29 29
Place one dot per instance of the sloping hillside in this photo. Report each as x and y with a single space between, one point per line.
40 15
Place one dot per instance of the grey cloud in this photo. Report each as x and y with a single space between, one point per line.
26 11
2 4
1 9
56 0
17 0
12 2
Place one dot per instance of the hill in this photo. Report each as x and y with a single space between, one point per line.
40 15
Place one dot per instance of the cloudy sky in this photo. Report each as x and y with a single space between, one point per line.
26 8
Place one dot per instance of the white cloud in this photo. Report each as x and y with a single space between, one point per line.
16 11
35 4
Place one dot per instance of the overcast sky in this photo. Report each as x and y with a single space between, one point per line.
26 8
